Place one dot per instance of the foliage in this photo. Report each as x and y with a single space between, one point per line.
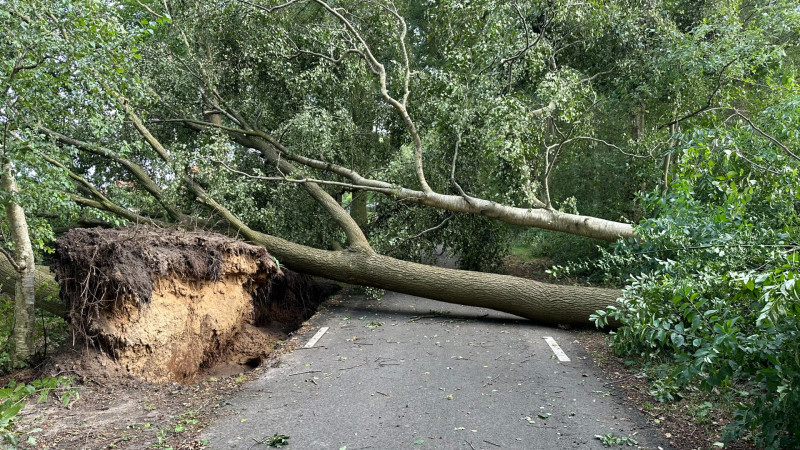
49 333
715 273
678 115
609 440
14 395
276 440
562 249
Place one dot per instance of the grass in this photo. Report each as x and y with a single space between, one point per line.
524 252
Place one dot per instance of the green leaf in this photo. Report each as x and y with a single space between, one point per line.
12 411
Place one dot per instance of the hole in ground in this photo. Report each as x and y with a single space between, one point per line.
253 363
281 306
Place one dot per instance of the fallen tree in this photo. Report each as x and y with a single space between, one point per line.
157 176
541 302
546 303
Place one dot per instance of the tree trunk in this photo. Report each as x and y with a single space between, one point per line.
541 302
547 303
25 292
45 285
358 208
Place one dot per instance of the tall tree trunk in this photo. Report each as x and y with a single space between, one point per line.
25 291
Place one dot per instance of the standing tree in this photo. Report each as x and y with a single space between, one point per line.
54 58
23 263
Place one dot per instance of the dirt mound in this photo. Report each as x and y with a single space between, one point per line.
163 305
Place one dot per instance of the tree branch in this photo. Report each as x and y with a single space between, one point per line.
304 180
434 228
134 169
11 260
529 45
764 134
380 71
453 170
154 143
707 106
272 150
274 8
102 202
540 218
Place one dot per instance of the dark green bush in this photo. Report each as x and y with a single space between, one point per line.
712 285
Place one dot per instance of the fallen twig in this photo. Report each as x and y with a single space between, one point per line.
348 368
307 371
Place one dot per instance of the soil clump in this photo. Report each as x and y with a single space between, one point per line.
165 305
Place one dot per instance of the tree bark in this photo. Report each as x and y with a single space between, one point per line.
24 279
44 284
547 303
358 208
541 302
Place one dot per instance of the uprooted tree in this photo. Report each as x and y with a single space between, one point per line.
259 120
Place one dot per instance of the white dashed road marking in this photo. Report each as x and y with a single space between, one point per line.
556 349
313 341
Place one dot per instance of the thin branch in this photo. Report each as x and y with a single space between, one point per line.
11 260
149 10
764 134
304 180
741 154
529 45
607 144
270 10
453 170
406 64
524 22
330 59
591 78
707 106
434 228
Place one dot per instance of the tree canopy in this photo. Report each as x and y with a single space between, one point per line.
669 127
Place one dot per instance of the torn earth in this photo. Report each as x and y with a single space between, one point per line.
166 305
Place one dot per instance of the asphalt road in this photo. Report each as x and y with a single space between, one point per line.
407 372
